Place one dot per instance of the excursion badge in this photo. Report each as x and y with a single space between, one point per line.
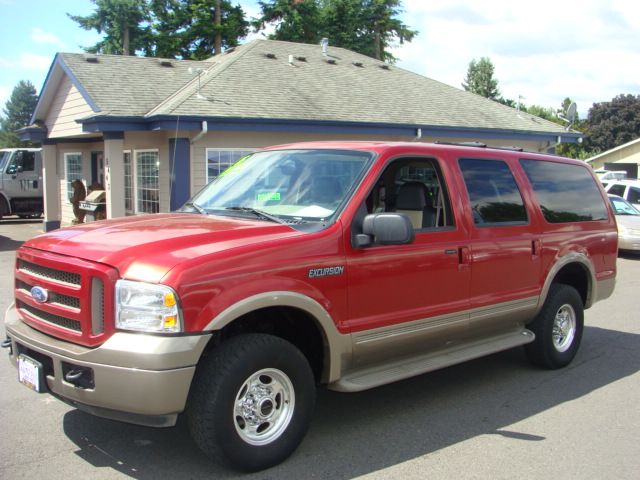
326 271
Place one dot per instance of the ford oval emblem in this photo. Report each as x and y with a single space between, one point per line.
39 294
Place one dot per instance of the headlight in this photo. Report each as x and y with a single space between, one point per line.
147 307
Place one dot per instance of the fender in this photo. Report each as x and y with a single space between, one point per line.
560 263
7 202
338 345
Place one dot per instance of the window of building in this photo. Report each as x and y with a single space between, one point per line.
72 170
218 160
493 192
128 184
147 175
565 192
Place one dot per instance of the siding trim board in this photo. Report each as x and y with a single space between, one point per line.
108 124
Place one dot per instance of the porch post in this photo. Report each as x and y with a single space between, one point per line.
50 186
114 173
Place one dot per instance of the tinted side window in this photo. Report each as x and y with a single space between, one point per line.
617 190
634 195
494 194
567 193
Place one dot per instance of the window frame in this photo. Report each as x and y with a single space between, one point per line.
136 209
521 191
132 190
246 151
68 188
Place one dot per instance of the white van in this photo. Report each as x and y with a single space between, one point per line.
21 182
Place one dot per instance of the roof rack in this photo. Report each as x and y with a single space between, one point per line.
480 145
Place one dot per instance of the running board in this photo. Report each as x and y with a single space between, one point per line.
374 376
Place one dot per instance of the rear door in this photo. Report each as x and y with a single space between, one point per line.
505 247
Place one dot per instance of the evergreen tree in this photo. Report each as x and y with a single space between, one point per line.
479 79
121 21
297 20
17 113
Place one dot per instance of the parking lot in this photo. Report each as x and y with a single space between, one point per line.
497 417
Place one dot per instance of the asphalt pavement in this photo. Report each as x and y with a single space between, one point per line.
493 418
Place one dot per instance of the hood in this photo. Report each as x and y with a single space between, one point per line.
629 221
146 247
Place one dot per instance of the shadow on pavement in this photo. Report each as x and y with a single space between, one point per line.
356 434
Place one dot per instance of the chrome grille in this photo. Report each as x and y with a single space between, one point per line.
49 273
49 317
58 298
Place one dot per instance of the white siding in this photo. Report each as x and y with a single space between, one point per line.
67 106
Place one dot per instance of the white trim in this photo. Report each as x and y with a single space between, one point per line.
615 149
134 162
66 173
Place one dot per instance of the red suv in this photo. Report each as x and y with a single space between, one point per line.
345 264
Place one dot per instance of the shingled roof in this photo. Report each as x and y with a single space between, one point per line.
268 80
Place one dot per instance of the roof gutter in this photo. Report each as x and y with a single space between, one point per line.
203 132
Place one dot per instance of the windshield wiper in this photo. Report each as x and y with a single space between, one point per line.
200 210
258 213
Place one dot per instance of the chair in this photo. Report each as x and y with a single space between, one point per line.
412 202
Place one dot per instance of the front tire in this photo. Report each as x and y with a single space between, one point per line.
251 402
558 328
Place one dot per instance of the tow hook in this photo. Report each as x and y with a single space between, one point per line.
80 377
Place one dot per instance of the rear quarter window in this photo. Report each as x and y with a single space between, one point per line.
565 192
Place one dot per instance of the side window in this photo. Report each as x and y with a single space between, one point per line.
634 195
565 192
414 187
493 192
617 190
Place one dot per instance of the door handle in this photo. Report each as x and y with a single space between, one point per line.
536 246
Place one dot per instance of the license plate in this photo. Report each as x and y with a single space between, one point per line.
30 373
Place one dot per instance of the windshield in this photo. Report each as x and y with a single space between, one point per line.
4 156
622 207
295 186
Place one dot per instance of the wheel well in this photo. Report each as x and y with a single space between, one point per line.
292 324
576 276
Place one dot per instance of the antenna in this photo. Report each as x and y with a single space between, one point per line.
570 115
198 71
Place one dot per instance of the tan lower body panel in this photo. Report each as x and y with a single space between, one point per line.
133 393
374 376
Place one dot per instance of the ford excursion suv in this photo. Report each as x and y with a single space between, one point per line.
347 265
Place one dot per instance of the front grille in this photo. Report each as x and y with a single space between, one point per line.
47 317
80 296
59 298
49 273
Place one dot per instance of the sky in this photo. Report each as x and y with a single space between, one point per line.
543 50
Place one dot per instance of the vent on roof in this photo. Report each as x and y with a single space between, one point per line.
385 67
330 61
92 59
270 55
358 64
166 63
301 59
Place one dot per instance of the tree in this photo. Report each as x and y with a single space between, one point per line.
364 26
479 79
613 123
17 113
122 22
296 20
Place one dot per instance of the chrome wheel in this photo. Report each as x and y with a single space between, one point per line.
564 328
264 406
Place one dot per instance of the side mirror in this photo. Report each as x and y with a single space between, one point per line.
11 170
385 229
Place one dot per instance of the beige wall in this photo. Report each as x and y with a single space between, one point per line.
67 106
628 154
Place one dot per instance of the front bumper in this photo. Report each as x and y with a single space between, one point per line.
137 378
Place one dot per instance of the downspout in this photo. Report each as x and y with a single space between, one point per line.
418 135
203 132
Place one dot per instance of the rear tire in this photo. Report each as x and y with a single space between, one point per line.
558 328
251 401
4 207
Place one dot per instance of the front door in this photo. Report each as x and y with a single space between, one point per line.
410 298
